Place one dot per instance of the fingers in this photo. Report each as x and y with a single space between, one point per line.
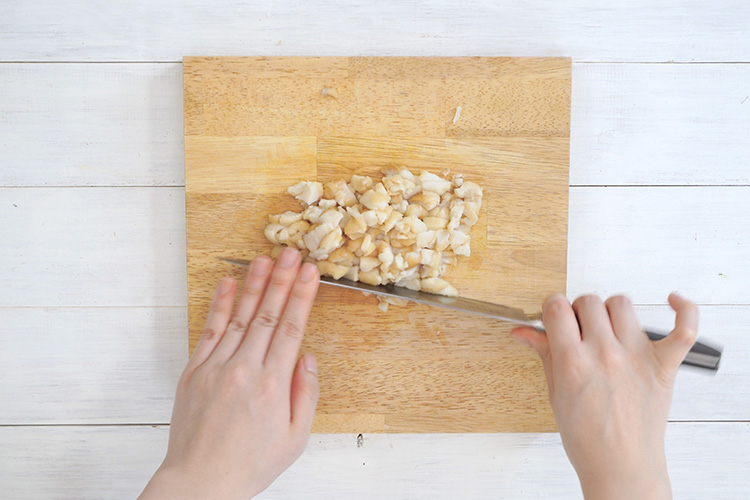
531 338
268 314
624 322
288 336
593 319
672 350
252 292
216 324
540 343
563 332
305 393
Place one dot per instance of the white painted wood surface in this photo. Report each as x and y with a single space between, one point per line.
649 241
90 364
724 395
634 31
92 245
672 124
91 125
115 462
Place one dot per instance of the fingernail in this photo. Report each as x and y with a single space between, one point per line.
288 257
308 272
311 364
225 286
260 266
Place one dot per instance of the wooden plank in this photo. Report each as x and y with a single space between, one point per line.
86 462
640 240
91 125
92 247
119 125
229 164
419 99
91 365
120 365
165 31
684 124
651 241
706 461
249 136
699 395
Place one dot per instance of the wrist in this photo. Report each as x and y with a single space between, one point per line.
169 483
644 483
174 483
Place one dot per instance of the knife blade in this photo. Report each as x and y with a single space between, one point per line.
701 355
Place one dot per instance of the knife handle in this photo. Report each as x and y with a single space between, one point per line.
701 355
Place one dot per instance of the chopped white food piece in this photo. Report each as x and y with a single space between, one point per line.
315 236
367 264
457 115
434 183
326 204
375 200
469 191
360 183
308 192
329 92
352 274
331 216
439 286
426 239
335 271
312 214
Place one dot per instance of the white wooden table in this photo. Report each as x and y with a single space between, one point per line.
92 233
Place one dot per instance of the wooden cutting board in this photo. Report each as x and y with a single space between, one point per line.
254 126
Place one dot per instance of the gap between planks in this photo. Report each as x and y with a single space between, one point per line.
137 424
182 186
573 61
166 425
635 304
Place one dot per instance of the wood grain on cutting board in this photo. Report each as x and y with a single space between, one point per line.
254 126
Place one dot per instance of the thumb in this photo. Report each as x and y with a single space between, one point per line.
532 338
537 341
305 392
672 350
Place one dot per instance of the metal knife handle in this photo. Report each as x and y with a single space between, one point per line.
700 355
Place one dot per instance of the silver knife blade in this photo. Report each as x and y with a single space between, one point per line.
487 309
701 355
478 307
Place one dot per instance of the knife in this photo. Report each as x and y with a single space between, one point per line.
701 355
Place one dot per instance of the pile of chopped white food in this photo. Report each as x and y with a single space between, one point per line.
407 230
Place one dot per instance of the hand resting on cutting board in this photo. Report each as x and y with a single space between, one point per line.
245 403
